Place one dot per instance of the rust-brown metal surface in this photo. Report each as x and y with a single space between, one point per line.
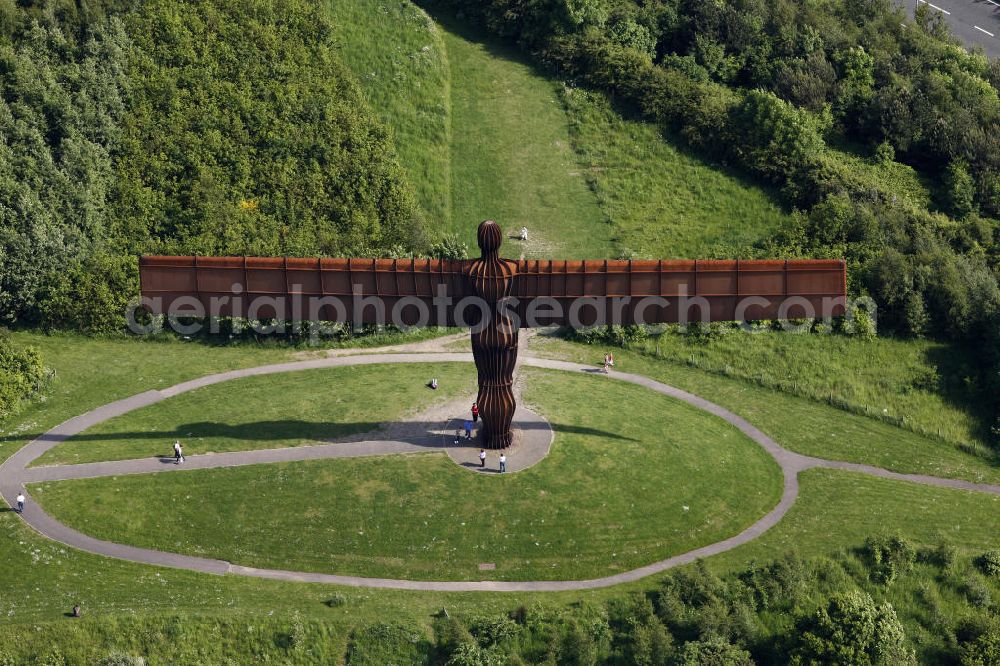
431 292
722 285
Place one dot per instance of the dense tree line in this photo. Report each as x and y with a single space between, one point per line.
786 611
189 127
770 86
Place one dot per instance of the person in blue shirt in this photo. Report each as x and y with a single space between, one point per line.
468 429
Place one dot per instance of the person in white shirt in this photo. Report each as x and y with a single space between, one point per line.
20 503
178 453
524 233
482 457
503 463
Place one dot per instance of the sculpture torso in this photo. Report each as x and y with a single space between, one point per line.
494 342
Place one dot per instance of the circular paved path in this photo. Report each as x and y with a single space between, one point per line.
14 473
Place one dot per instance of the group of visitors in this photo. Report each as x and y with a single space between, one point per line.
503 460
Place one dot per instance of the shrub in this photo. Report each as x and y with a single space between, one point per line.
577 647
471 654
944 555
22 375
976 590
983 650
336 601
785 580
491 631
851 629
90 296
714 651
648 643
888 556
121 659
960 189
449 247
884 153
989 563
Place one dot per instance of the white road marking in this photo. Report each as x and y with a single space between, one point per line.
943 11
981 30
997 4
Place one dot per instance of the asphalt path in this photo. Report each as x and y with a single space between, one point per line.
974 22
16 471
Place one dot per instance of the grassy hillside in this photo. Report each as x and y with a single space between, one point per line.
481 133
661 199
922 385
812 425
399 58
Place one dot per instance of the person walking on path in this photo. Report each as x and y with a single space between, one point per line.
20 503
607 363
482 457
503 463
468 429
524 234
178 453
475 412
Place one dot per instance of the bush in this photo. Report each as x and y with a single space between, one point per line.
944 555
91 295
851 629
449 247
989 563
713 652
577 647
888 556
121 659
336 601
648 643
22 375
960 189
976 590
492 631
471 654
983 650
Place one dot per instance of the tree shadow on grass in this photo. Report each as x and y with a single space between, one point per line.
955 382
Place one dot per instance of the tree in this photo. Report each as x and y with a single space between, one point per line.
960 189
713 652
852 629
22 374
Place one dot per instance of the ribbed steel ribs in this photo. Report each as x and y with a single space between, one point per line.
494 342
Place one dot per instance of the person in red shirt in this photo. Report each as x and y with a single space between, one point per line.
475 412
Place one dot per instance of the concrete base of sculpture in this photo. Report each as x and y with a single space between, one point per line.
531 441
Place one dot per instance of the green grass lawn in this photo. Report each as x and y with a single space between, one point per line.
480 132
91 372
269 411
920 385
807 425
662 201
633 477
188 617
837 510
511 155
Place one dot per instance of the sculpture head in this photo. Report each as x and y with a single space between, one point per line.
489 236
